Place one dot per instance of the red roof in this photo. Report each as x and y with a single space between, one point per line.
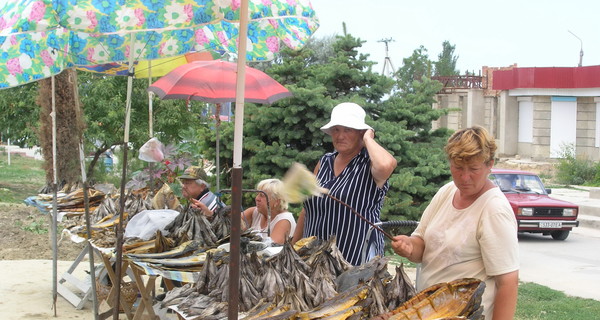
547 78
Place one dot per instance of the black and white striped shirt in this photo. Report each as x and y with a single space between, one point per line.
356 187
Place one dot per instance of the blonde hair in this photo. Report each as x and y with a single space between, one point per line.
274 189
471 143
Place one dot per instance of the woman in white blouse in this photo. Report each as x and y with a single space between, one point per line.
282 223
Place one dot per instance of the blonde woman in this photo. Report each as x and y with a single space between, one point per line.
469 229
282 224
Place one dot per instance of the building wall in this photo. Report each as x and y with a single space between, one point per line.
499 113
540 147
586 128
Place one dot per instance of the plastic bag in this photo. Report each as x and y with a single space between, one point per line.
145 223
152 151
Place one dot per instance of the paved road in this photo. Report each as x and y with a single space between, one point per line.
571 266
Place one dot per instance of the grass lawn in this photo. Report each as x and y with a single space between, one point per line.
24 177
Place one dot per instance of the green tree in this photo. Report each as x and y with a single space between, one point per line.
19 115
405 129
414 68
446 64
103 99
288 131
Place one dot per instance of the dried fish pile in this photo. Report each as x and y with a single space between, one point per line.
293 286
458 299
190 225
71 204
106 217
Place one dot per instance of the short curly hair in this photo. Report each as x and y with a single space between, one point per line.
474 143
274 190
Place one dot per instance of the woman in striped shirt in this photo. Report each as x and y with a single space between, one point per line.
356 173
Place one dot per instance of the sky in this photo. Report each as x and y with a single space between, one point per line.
530 33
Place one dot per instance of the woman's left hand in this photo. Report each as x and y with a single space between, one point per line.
369 134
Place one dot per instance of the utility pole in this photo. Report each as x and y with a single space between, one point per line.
387 63
580 50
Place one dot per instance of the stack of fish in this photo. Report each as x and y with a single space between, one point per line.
310 281
70 204
106 217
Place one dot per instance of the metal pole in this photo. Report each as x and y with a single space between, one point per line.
54 214
119 245
150 107
86 203
237 171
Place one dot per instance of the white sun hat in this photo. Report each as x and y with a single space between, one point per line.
347 114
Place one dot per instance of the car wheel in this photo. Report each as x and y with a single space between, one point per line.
559 234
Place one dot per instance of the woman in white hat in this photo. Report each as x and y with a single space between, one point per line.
356 173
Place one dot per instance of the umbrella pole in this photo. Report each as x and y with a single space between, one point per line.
119 248
150 107
54 214
217 148
237 171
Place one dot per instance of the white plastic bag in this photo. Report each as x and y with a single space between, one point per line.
152 151
145 223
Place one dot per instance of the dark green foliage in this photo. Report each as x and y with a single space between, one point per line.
446 64
19 120
573 170
288 131
321 75
103 99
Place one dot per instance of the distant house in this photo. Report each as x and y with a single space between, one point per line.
533 112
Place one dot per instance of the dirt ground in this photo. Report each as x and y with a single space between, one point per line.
24 235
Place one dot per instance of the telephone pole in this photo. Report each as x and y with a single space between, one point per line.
387 63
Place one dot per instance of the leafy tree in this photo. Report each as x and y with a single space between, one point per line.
103 99
19 115
446 64
405 129
103 102
288 131
414 68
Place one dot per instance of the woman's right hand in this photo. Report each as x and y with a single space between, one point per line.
402 246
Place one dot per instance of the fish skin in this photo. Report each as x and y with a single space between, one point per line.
343 314
181 249
288 315
187 261
259 310
443 300
342 301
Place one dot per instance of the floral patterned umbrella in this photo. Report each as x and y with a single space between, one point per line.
39 38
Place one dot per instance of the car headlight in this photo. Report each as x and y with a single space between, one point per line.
569 212
525 211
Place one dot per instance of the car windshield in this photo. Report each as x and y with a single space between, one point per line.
519 183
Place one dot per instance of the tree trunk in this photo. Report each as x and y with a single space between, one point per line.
69 129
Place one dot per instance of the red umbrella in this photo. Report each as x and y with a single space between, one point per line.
215 82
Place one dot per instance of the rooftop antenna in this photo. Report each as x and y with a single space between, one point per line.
387 63
580 50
